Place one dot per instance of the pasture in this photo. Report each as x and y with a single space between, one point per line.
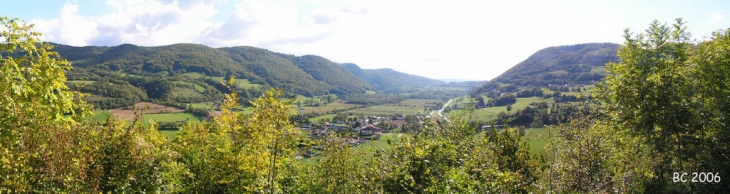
537 138
490 113
127 113
410 106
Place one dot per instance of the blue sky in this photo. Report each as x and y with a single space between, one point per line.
464 39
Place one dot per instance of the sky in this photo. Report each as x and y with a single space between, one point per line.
456 39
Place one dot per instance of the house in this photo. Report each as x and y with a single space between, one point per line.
370 130
487 127
306 127
338 127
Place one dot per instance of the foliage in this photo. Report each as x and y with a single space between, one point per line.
241 153
661 112
48 142
446 158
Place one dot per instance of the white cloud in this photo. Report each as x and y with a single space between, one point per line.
717 17
477 39
142 22
70 27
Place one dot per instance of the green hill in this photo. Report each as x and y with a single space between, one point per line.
340 80
306 75
388 78
559 65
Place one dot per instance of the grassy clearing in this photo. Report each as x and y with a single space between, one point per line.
537 138
79 82
185 92
170 117
240 83
320 118
193 75
208 105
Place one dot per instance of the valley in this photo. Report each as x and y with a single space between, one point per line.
176 94
188 118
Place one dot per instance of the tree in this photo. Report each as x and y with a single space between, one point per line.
34 102
242 153
48 144
661 103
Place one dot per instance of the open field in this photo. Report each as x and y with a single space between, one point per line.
128 114
322 108
321 117
410 106
490 113
537 138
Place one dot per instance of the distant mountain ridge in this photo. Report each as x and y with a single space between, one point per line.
557 65
386 78
449 80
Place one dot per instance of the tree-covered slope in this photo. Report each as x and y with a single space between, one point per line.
307 75
277 71
339 79
389 78
559 65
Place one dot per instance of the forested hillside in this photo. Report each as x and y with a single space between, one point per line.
324 70
559 65
307 75
388 78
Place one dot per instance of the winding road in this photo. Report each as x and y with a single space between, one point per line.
442 110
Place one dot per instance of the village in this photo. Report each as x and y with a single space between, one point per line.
356 130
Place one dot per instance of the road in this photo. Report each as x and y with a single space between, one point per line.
442 110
